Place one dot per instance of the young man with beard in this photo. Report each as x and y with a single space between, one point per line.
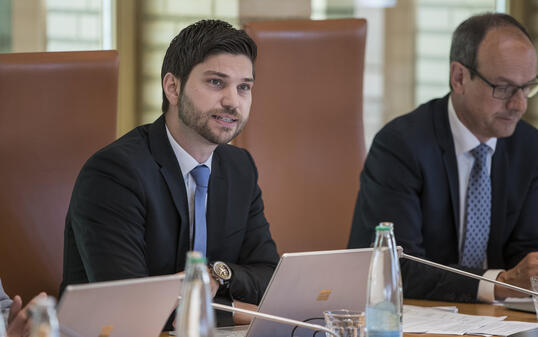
140 203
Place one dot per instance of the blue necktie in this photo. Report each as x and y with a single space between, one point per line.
478 211
201 176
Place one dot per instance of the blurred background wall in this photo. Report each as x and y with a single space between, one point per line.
407 45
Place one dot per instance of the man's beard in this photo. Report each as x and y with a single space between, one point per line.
199 121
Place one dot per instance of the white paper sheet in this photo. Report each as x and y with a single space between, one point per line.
431 320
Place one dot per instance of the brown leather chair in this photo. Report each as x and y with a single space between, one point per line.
56 109
305 130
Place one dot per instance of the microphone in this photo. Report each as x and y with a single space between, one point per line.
401 254
275 318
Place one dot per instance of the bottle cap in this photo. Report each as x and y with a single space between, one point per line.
196 257
384 226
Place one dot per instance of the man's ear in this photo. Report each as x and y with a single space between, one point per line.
457 77
171 86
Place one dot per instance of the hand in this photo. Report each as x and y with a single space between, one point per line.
518 276
213 283
18 322
242 319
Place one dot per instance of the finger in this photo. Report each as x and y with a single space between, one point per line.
35 299
15 308
17 326
27 329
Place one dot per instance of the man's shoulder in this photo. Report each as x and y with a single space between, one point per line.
418 125
420 116
132 143
134 139
130 150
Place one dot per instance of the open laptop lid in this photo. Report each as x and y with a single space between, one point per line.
134 307
306 284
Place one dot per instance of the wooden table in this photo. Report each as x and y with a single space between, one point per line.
465 308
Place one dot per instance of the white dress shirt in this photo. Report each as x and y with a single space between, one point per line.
464 142
5 301
186 164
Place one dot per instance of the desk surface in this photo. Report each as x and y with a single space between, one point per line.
475 309
467 308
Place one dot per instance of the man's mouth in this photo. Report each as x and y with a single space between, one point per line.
509 118
225 119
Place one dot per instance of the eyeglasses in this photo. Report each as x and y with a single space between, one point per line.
507 91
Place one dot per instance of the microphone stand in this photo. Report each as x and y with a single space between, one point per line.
268 317
464 273
274 318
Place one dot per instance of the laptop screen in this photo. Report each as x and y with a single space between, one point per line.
304 285
134 307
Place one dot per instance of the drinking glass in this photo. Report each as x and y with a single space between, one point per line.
345 323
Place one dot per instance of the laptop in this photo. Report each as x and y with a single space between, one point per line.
520 304
304 285
134 307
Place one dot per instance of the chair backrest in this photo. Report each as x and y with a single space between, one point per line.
305 130
56 109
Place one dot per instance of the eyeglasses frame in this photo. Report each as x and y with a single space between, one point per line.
495 86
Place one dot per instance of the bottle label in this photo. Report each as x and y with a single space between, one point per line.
382 318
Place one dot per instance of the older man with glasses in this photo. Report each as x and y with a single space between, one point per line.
458 176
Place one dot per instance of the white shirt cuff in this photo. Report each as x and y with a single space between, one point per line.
486 290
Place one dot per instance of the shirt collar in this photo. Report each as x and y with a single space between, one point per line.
185 160
464 140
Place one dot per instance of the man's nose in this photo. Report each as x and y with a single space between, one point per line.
518 101
230 98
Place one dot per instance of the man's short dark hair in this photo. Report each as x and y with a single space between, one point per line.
198 41
467 37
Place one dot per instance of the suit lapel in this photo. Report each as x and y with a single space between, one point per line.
217 204
164 155
446 143
499 169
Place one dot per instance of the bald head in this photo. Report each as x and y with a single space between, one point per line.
505 61
469 35
507 47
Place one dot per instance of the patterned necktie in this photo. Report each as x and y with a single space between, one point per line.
478 211
201 176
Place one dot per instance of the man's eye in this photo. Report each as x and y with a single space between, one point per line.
244 87
215 82
505 89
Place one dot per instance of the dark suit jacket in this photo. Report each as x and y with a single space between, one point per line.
128 215
411 179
